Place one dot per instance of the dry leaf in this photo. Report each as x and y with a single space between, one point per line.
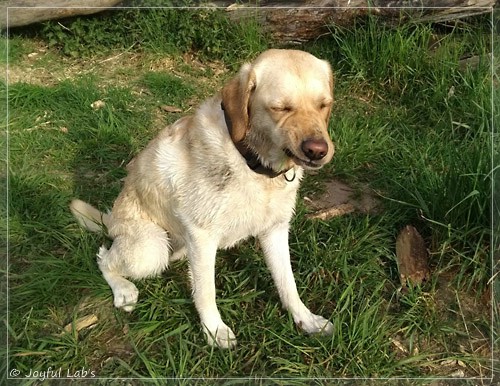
99 104
457 374
399 345
171 109
81 323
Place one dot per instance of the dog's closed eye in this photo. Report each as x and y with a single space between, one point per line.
326 104
281 108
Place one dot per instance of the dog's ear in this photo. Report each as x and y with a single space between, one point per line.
235 102
331 81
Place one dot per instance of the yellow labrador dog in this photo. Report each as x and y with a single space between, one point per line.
227 172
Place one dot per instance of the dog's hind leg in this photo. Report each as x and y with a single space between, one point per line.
125 293
140 249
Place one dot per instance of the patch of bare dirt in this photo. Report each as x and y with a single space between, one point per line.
109 343
340 198
46 67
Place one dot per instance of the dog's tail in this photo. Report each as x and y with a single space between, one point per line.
88 216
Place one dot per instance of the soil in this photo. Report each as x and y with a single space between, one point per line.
339 198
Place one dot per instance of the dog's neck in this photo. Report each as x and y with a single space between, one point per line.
251 158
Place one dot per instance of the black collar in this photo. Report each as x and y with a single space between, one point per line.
250 157
254 164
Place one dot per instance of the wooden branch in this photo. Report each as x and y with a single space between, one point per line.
24 12
334 211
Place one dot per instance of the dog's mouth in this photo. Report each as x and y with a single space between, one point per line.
305 163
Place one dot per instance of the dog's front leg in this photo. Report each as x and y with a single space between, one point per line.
201 253
275 245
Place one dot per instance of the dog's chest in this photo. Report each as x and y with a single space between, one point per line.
242 206
261 210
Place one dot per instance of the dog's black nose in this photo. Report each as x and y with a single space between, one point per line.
315 149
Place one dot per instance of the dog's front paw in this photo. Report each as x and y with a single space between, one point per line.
221 336
125 295
315 324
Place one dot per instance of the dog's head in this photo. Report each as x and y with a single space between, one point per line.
279 106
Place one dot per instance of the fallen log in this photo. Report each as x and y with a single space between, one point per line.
300 21
16 13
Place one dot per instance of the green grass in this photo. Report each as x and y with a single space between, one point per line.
408 121
163 30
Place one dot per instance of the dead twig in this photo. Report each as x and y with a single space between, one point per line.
334 211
